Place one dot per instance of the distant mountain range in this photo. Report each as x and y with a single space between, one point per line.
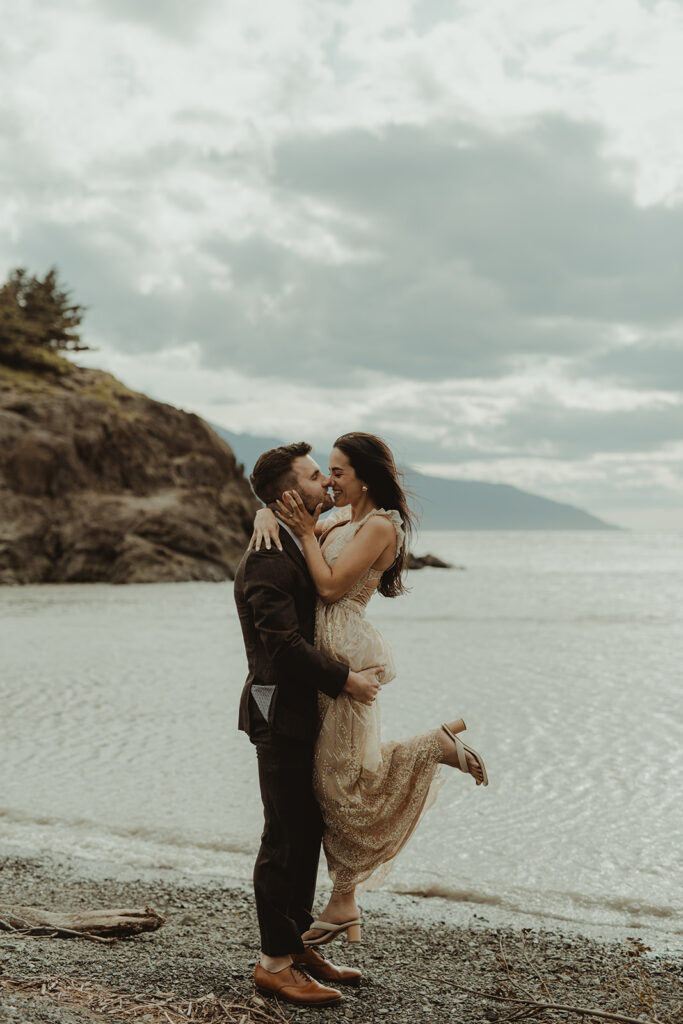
443 504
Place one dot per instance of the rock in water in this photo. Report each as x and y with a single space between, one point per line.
428 561
102 484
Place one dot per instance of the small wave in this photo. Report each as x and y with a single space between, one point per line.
560 906
83 827
625 905
638 619
445 893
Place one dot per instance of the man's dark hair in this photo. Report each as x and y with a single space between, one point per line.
273 472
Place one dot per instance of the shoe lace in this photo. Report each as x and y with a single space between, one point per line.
299 970
317 953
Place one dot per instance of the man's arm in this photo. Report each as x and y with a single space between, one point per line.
268 590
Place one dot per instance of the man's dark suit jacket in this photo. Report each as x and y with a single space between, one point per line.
275 599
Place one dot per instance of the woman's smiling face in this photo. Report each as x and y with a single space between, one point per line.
346 487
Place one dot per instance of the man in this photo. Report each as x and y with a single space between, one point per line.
275 599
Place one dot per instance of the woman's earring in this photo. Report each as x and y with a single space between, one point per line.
364 488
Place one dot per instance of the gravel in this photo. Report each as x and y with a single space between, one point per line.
412 948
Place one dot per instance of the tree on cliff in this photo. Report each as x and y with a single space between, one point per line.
37 321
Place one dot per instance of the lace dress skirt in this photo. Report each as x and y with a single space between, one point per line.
371 794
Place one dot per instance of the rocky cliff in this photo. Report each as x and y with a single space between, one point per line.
98 483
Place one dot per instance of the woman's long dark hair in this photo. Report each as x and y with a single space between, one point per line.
374 465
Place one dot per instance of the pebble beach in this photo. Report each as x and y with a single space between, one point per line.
199 964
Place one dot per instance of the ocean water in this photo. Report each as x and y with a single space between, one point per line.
562 651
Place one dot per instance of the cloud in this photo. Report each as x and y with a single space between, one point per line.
475 250
535 211
565 433
656 362
173 17
435 270
426 250
454 223
429 13
546 423
462 253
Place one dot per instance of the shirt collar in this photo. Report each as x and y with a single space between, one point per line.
283 526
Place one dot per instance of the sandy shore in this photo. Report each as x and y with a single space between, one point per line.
411 949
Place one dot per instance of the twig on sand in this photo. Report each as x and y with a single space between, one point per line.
502 958
160 1008
545 989
582 1011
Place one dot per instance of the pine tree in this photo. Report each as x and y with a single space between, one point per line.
37 321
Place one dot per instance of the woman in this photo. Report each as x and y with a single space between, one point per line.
371 794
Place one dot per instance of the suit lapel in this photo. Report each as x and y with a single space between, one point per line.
292 550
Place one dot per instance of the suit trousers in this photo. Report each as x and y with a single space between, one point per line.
287 863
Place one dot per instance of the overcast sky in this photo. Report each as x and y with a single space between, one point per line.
457 223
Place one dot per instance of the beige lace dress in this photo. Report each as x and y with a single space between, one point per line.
371 794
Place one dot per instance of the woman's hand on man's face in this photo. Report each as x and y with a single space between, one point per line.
292 511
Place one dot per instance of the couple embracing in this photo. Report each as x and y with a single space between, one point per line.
309 705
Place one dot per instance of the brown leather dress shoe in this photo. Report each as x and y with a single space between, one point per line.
315 963
295 986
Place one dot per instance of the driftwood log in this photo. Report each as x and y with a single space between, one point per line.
99 925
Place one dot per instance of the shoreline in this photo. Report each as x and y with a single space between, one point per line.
433 902
209 943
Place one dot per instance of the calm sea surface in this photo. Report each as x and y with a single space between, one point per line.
563 652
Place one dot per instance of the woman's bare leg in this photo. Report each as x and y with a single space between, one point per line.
341 907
